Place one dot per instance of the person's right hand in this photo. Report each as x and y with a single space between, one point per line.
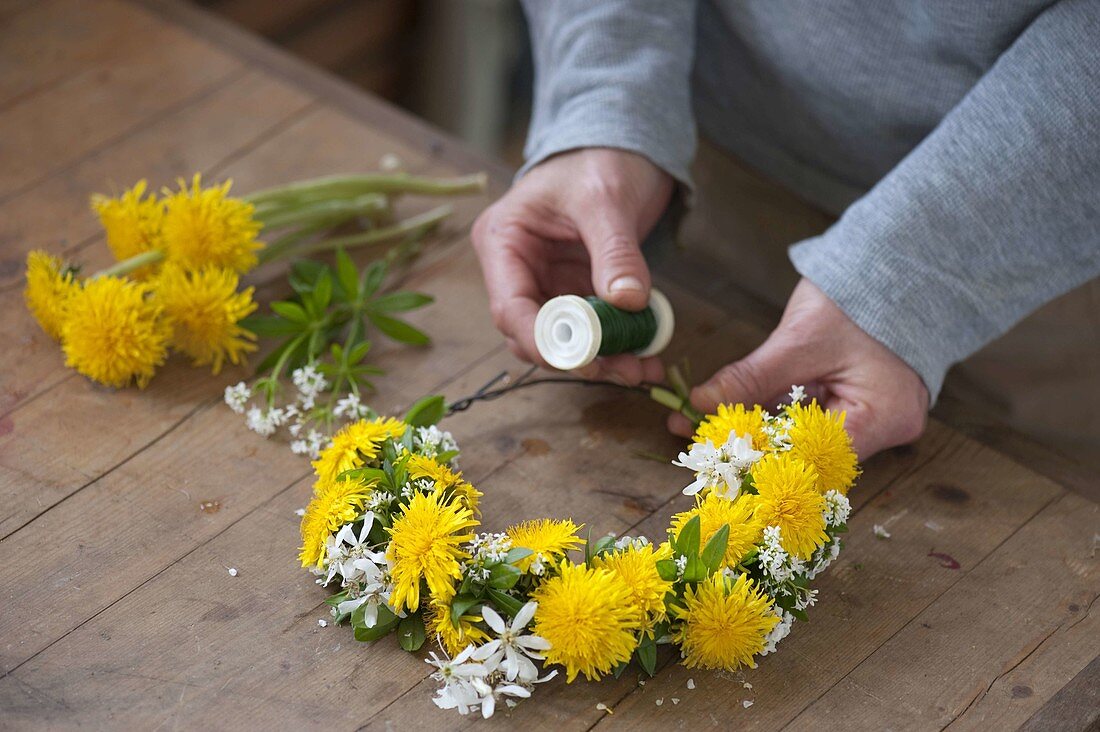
572 225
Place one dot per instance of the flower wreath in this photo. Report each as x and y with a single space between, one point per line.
392 523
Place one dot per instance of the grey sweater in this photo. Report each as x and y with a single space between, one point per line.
959 139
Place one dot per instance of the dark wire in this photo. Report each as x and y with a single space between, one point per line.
486 393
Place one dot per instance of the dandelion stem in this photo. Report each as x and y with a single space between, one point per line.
126 266
411 227
345 186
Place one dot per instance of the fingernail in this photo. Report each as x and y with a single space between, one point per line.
626 283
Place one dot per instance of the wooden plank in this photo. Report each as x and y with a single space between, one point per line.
946 660
334 91
55 39
206 136
49 131
1075 707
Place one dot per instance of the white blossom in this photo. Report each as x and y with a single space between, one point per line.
237 396
798 393
309 382
432 441
779 632
837 508
512 650
719 468
880 531
351 408
264 423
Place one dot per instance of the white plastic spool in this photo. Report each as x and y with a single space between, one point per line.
568 332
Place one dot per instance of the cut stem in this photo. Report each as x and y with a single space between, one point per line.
346 186
126 266
411 227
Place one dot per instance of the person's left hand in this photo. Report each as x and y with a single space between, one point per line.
818 346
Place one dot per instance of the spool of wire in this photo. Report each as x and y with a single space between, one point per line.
571 331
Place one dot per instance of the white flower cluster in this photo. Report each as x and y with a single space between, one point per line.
432 441
631 542
837 509
309 382
781 630
778 566
720 469
502 669
363 573
303 416
485 550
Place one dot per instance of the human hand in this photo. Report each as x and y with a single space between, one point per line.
817 345
572 225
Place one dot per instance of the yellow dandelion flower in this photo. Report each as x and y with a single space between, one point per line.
818 438
717 427
133 222
637 566
714 512
589 618
453 638
446 481
355 445
334 504
723 623
426 544
205 227
49 287
205 308
788 498
552 539
115 332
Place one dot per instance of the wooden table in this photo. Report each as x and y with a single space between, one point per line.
118 608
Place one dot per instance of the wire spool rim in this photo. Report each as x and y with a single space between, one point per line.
568 332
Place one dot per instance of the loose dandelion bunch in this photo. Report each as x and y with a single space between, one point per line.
189 247
724 589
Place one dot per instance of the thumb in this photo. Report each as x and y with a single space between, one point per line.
619 272
764 374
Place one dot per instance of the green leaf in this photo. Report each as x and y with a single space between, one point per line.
372 278
505 602
668 570
304 273
269 326
322 292
800 614
410 632
687 542
503 576
647 655
401 301
619 668
386 622
427 411
347 276
399 330
359 352
517 553
695 571
715 550
381 630
459 605
291 311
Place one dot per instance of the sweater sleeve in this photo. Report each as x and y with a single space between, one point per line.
996 212
613 73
